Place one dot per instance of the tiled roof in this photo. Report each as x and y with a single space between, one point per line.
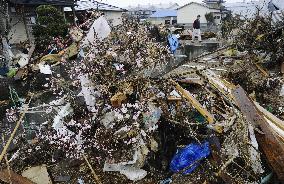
44 2
154 7
90 4
200 4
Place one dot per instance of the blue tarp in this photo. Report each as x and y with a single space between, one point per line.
189 157
173 43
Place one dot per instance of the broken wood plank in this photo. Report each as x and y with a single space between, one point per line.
194 102
282 67
12 177
269 141
192 81
264 73
96 177
278 122
221 85
173 98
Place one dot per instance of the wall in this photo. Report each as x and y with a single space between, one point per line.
2 24
115 17
18 32
161 20
188 14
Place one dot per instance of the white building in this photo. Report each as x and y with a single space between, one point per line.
188 13
112 13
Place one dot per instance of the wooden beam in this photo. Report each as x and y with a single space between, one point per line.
194 102
278 122
269 140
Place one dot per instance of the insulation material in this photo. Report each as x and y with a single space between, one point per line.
101 28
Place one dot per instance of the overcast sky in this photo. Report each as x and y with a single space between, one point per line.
125 3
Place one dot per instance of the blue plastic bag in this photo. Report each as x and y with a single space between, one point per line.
189 157
173 43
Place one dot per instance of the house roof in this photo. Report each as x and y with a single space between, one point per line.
91 4
154 7
164 13
44 2
201 4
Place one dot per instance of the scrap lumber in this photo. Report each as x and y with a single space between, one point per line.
221 85
194 102
278 122
192 81
264 73
269 141
96 177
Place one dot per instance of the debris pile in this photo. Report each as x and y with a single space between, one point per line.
99 118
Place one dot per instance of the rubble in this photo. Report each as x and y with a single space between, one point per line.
98 117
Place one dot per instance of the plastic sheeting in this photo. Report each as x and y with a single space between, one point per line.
188 158
101 28
173 43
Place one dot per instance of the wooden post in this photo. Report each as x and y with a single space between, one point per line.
74 15
282 67
25 23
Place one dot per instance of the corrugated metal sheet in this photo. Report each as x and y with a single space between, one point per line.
89 4
154 7
164 13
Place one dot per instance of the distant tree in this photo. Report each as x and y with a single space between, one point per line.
50 23
209 18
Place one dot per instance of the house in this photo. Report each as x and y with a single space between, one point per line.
145 11
187 14
112 13
164 17
22 17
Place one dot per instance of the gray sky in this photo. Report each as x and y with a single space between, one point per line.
124 3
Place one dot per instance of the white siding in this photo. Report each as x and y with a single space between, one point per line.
161 20
188 14
157 21
114 17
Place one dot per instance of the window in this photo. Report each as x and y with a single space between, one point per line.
13 10
33 20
